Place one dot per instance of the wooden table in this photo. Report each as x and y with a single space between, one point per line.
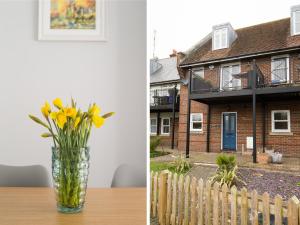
37 206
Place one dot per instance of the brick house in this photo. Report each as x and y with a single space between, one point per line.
244 91
164 99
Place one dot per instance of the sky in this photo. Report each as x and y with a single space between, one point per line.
180 24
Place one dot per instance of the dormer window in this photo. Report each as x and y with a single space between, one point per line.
223 36
220 38
295 20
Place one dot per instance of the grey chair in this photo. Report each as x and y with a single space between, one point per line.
24 176
128 176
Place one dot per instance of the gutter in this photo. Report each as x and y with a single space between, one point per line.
166 82
238 57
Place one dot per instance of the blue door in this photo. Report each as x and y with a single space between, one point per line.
229 131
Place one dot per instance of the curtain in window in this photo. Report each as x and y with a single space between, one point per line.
228 81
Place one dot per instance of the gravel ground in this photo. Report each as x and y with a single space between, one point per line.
284 184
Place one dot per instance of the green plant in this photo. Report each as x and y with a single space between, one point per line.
227 171
154 143
182 165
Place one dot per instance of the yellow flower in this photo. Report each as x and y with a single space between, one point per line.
70 112
77 120
46 109
61 119
58 103
94 110
97 121
53 115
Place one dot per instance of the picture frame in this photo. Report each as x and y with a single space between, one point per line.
57 25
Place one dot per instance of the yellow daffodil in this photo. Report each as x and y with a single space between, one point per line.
77 120
97 121
46 109
53 115
94 110
61 119
58 103
70 112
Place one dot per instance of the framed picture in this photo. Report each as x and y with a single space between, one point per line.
73 20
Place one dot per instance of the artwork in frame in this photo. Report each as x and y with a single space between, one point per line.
74 20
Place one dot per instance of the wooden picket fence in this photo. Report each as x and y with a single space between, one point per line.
179 200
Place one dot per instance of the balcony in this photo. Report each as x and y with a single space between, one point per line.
163 100
238 87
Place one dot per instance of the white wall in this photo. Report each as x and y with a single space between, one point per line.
111 73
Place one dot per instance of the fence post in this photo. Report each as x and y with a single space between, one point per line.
169 199
254 208
162 197
193 201
224 204
186 200
216 204
208 203
293 211
244 207
233 206
278 210
266 208
174 201
154 203
180 200
200 202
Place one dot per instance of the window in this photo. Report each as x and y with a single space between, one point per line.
153 126
227 79
165 125
281 121
296 22
220 38
280 69
197 79
196 121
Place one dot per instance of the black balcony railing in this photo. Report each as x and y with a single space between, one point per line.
163 97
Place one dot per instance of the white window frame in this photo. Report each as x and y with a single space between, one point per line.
192 122
225 65
294 22
288 120
287 57
155 133
221 44
162 126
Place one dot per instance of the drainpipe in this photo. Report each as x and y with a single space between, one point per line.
187 149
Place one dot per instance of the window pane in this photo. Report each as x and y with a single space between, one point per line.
197 81
297 22
280 116
281 125
153 129
197 117
197 126
279 69
153 121
166 129
166 121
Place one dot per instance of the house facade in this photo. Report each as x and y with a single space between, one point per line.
243 90
165 86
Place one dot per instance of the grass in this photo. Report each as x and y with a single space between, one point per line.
159 166
155 153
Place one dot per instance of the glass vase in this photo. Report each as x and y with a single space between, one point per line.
70 169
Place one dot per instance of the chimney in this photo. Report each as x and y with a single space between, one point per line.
295 20
173 54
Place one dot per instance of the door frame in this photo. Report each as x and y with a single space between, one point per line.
235 129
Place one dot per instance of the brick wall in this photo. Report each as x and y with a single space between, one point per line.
288 144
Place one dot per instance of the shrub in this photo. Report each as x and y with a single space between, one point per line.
227 170
154 143
181 164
